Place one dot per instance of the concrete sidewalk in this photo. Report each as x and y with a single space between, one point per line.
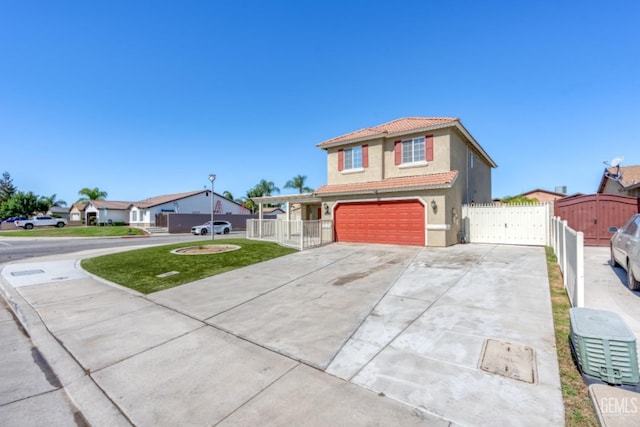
346 334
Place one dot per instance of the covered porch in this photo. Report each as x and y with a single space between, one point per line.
301 226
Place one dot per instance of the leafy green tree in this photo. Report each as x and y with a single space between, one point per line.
91 194
518 200
53 201
298 182
23 204
7 189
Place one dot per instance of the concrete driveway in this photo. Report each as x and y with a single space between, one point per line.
346 334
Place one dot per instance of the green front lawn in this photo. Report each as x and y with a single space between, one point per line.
138 269
80 231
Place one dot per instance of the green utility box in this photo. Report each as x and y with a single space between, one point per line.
604 346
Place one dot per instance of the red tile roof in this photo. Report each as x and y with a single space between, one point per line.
436 180
398 126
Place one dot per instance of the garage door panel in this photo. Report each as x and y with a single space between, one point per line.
397 222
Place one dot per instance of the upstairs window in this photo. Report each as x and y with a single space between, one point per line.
413 150
353 158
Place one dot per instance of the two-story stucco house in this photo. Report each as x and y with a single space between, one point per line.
401 182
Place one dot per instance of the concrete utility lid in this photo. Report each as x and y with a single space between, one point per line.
510 360
26 272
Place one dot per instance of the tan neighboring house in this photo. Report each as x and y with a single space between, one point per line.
543 196
401 182
76 212
621 181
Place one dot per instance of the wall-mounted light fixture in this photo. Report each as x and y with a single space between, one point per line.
434 205
326 209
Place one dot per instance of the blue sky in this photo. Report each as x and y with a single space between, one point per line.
144 98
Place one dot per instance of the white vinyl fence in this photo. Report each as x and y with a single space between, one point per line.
296 234
568 245
527 224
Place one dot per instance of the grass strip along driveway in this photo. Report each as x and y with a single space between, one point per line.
577 403
139 269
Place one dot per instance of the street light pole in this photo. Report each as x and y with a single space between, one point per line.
212 177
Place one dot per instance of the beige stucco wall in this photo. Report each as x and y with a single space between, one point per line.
440 163
476 180
614 187
371 173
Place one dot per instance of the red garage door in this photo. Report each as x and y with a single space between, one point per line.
398 222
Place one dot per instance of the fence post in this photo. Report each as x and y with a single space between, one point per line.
580 269
564 253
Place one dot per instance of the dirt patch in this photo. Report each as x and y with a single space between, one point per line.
205 249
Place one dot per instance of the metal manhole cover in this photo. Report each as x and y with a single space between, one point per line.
26 272
515 361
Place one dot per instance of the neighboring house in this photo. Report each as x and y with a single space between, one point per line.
402 182
144 212
543 196
621 181
272 211
103 211
76 213
59 211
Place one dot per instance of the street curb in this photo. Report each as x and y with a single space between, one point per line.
82 391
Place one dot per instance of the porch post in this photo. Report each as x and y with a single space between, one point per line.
260 220
288 219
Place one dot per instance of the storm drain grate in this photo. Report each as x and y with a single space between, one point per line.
515 361
26 272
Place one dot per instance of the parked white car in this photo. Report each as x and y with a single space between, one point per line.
40 221
219 227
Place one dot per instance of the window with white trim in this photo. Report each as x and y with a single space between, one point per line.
413 150
353 158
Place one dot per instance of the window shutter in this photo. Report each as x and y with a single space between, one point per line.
340 160
397 150
365 156
428 148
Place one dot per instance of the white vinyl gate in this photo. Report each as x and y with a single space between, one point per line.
508 224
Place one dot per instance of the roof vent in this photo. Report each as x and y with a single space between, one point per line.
604 346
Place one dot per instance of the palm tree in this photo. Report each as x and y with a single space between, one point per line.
298 182
52 201
228 195
265 188
91 194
